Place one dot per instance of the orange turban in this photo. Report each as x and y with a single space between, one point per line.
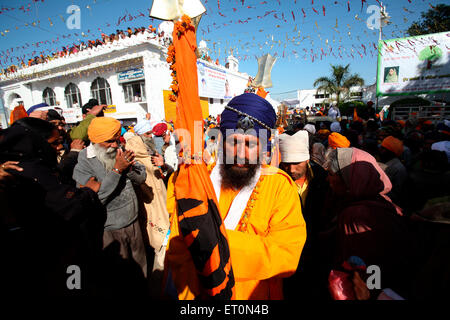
393 144
337 140
103 129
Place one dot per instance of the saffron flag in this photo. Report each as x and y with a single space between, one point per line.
18 113
261 92
355 115
199 219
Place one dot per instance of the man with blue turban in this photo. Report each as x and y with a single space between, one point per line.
249 119
35 107
248 111
258 203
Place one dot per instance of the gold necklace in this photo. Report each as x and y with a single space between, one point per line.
243 223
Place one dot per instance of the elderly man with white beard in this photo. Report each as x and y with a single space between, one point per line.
116 171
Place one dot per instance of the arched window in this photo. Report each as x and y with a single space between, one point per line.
14 100
73 96
49 96
101 91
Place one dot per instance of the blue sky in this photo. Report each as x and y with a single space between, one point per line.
304 37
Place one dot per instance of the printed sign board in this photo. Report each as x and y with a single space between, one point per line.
110 109
414 65
72 115
130 75
212 82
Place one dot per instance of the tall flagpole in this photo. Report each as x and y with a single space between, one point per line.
381 22
380 33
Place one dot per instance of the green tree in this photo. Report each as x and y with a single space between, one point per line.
339 83
434 20
430 54
346 108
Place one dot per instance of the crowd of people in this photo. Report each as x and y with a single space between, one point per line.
388 202
309 208
112 39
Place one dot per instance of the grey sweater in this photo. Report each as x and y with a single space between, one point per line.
116 191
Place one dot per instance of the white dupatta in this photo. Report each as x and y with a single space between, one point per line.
240 202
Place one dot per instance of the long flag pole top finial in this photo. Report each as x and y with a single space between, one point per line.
173 10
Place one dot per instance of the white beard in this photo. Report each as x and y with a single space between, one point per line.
106 156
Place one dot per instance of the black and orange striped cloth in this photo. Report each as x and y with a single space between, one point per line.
199 219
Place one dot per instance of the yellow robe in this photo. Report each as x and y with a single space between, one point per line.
267 251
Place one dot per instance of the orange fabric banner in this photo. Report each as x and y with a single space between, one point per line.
18 113
199 219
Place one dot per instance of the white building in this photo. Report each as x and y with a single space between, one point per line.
300 99
313 98
131 76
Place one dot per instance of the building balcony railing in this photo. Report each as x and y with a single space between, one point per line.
87 53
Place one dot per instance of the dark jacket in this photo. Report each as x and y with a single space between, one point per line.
46 225
66 167
306 283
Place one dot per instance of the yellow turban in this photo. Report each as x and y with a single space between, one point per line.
103 129
337 140
393 144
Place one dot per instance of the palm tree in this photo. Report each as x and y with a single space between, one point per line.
339 83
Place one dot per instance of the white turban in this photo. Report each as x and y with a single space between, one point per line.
335 127
310 128
143 126
442 146
294 148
